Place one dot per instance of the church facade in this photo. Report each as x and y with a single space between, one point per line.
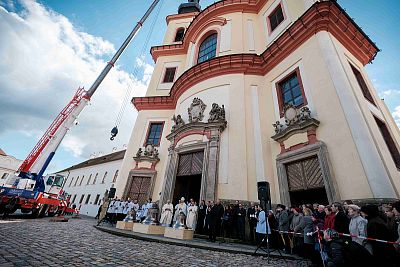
262 91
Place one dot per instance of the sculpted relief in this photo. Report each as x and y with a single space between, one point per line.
196 114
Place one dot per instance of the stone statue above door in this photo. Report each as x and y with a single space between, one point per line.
196 110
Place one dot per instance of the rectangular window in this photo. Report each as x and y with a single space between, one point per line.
154 133
70 183
389 142
73 200
90 178
97 199
363 85
169 75
77 178
87 199
115 176
276 17
104 178
83 176
82 197
290 91
95 178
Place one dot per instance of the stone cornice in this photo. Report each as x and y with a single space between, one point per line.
296 128
322 16
202 128
180 16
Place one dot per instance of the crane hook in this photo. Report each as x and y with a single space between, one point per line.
114 133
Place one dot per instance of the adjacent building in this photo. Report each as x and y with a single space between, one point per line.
87 182
261 91
8 166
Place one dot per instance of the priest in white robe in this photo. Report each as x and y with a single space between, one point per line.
180 207
166 215
191 219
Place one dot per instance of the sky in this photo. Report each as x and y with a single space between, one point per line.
53 47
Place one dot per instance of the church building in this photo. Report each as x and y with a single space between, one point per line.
256 91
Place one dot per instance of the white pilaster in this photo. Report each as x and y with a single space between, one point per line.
375 171
250 36
226 37
257 134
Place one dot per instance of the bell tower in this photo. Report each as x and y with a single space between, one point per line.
190 6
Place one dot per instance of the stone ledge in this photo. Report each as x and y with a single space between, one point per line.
196 243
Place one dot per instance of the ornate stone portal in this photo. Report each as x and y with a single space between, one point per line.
212 130
300 122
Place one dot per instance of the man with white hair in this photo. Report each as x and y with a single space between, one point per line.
358 225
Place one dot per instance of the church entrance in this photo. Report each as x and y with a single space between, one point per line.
306 183
188 177
138 189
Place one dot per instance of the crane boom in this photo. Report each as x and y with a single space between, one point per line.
39 158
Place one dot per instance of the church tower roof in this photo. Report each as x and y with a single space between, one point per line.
189 7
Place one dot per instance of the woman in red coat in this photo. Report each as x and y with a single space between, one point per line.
329 218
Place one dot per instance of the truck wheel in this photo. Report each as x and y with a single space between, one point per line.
25 210
52 212
42 211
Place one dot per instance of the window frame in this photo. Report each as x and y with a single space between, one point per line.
279 91
83 177
87 199
95 178
202 40
103 181
362 84
82 198
115 176
390 142
70 183
89 179
77 178
165 74
96 200
148 132
176 34
270 30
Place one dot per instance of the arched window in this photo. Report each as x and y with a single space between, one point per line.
208 48
179 35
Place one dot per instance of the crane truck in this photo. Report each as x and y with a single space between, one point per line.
27 188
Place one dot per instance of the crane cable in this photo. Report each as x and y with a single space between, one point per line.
135 71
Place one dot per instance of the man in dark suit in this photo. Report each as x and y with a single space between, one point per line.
212 216
219 216
200 221
341 224
251 216
241 220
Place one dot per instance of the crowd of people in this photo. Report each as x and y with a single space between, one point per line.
335 234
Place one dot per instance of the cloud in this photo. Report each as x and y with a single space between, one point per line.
44 61
396 115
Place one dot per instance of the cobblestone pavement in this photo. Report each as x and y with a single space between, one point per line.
28 242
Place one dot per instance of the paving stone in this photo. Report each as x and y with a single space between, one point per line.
76 243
